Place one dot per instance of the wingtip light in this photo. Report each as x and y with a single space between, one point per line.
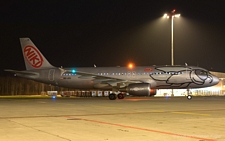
73 71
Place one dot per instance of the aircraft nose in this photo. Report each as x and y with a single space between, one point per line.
215 80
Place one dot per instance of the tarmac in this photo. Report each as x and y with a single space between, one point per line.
101 119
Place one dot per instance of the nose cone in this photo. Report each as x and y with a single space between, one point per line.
215 80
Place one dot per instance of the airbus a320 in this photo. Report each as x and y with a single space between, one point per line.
137 81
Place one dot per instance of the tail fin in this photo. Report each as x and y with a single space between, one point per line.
32 56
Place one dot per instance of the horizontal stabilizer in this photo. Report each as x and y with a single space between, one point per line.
22 72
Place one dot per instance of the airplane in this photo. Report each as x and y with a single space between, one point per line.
134 80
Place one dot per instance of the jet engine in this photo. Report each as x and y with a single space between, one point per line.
140 89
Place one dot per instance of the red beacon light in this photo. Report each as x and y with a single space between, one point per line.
173 11
130 65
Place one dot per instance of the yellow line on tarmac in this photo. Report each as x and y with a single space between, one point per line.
107 107
189 113
158 111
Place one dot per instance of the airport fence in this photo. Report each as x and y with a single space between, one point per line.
10 85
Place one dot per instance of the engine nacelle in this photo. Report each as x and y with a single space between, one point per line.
140 89
153 92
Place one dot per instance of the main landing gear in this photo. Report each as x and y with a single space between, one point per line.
113 96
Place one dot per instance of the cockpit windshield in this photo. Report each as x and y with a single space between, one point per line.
202 74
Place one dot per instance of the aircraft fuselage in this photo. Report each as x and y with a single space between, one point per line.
160 77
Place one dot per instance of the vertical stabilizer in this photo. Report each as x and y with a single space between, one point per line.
33 58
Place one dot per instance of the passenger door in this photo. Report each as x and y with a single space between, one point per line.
51 74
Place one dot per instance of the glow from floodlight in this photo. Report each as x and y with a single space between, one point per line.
165 16
177 15
171 15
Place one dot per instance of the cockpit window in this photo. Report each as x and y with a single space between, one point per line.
201 74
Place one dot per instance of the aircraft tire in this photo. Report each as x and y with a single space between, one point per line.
112 96
189 97
120 96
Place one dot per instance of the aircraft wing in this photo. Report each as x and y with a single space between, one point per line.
102 78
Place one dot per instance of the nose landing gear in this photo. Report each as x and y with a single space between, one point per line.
189 97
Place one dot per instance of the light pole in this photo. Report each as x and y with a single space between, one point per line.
171 16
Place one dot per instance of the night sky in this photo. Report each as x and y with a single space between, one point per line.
80 33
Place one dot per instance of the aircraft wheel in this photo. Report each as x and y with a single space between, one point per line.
112 96
120 96
189 97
